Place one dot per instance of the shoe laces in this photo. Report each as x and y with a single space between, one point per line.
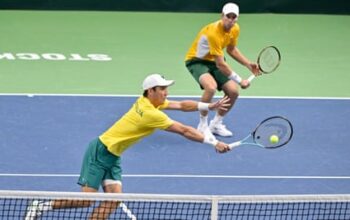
220 125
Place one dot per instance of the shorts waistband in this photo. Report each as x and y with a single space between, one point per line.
100 143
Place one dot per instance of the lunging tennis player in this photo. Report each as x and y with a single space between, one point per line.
101 164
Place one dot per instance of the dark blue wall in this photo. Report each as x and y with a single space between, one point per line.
247 6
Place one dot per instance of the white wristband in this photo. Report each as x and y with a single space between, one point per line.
210 140
235 77
202 106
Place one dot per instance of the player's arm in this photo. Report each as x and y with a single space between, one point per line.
227 71
215 49
236 54
194 135
189 105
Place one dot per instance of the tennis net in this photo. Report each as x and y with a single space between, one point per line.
14 205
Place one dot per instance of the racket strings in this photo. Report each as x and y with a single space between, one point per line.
273 126
269 60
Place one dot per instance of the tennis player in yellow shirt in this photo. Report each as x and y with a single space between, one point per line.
206 62
101 163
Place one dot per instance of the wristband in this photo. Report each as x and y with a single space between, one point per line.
210 140
235 77
202 106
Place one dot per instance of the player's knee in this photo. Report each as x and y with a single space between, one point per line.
233 94
210 90
104 210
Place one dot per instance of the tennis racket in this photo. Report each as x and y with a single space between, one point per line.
276 125
268 60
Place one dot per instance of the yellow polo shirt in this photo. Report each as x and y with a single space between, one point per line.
141 120
211 41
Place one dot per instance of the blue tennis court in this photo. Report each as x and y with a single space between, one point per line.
44 138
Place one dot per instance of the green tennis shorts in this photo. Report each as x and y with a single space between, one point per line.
99 165
198 67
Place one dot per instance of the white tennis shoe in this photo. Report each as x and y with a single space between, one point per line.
220 129
34 210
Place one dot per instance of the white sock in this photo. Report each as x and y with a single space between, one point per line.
218 118
203 119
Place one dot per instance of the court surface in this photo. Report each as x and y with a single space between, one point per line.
44 138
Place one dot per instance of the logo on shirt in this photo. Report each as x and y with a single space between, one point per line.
138 110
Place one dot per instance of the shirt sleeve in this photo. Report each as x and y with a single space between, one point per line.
164 105
157 119
234 35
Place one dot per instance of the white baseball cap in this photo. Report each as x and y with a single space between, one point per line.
230 8
155 80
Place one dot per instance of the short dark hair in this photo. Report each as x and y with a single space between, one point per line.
145 92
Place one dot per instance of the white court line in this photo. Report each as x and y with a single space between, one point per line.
180 176
174 96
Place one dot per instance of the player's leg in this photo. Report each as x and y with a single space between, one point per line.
91 176
64 204
200 71
231 90
90 179
209 86
37 207
112 183
106 208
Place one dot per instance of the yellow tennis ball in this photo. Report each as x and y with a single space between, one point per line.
274 139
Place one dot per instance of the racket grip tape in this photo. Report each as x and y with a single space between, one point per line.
234 144
251 78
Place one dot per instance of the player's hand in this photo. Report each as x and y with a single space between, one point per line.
254 68
222 147
222 104
244 84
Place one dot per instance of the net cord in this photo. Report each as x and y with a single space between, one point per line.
173 197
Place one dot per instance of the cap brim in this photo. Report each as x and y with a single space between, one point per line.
231 12
168 83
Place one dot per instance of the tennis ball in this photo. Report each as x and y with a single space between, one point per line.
274 139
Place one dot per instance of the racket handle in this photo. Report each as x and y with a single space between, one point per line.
234 144
251 78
